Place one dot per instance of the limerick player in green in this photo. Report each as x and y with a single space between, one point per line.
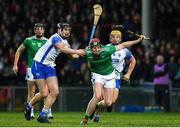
103 73
32 45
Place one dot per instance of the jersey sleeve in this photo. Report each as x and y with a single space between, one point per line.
56 39
111 49
86 53
25 43
128 54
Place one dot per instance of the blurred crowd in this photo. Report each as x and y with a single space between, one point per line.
18 18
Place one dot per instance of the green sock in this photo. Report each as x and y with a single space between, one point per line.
86 116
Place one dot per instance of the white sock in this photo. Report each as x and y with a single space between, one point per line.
49 113
32 112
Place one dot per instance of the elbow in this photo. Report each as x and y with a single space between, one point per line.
133 61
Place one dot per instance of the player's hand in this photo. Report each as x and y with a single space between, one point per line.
126 77
141 37
15 69
80 52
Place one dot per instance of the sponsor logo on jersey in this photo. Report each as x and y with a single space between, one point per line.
115 60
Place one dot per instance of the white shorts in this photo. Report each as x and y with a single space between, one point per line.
29 75
108 81
118 76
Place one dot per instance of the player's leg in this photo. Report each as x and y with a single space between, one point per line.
52 83
97 88
53 90
43 92
107 102
108 98
31 88
109 87
116 90
39 75
31 93
101 104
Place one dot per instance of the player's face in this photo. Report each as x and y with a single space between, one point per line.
160 59
65 32
39 32
115 39
96 50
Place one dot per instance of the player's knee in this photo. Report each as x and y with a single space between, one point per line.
44 94
98 97
108 103
55 93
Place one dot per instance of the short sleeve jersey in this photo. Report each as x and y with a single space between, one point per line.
48 52
118 58
101 64
32 45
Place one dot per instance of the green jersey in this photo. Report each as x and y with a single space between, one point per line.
32 45
103 63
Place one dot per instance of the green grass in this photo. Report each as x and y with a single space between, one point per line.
72 119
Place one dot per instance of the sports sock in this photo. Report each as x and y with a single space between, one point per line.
49 112
32 112
86 116
28 106
44 112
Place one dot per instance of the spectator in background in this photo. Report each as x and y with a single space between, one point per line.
1 61
173 67
177 76
161 83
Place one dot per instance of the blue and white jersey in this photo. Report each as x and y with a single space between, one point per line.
118 60
48 52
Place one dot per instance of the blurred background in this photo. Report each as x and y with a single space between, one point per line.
159 20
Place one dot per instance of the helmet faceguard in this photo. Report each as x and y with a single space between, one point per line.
63 25
39 25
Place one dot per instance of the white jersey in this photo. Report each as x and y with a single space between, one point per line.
118 60
48 52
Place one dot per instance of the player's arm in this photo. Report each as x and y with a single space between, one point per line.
129 43
57 41
72 56
130 69
17 56
63 48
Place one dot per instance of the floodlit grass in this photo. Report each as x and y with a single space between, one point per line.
72 119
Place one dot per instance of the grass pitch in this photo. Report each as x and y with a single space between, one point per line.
72 119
